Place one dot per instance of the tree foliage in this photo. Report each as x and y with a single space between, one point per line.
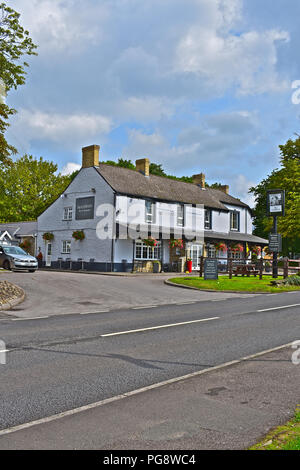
15 43
286 177
28 187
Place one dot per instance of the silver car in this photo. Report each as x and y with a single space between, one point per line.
14 258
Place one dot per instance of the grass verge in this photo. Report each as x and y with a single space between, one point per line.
285 437
241 284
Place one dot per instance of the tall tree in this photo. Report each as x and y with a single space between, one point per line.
15 43
28 187
286 177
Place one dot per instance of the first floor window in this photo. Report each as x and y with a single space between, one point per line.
180 215
150 214
66 246
207 219
143 251
235 220
68 213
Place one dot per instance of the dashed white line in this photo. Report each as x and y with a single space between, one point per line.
143 307
159 327
24 319
278 308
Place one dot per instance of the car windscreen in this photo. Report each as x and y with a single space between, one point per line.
14 250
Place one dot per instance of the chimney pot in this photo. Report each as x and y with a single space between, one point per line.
143 166
90 156
200 180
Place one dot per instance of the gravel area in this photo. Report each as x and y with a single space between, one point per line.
9 292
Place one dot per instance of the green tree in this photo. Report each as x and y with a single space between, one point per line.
28 187
15 43
286 177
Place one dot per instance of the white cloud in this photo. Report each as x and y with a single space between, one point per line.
224 58
68 130
69 168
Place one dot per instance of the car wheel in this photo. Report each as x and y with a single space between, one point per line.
6 265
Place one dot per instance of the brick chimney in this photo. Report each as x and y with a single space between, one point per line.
143 166
199 180
90 156
224 188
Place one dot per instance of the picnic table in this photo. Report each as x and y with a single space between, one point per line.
245 270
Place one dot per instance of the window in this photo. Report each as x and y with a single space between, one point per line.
66 246
211 251
68 213
149 212
180 215
143 251
208 219
235 221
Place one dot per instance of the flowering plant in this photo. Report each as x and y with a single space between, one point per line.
178 243
25 244
256 250
78 235
221 247
150 241
238 248
48 236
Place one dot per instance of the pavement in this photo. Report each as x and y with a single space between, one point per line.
57 293
228 408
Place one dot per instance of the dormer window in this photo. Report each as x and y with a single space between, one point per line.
235 221
150 212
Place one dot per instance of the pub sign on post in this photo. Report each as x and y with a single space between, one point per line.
275 202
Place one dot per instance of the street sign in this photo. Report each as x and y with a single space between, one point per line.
275 243
210 269
275 202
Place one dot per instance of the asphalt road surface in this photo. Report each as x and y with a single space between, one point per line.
56 293
62 362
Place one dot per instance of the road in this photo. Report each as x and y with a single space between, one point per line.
59 293
62 362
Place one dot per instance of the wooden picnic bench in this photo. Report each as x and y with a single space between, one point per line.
245 270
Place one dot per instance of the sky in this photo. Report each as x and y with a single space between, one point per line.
194 85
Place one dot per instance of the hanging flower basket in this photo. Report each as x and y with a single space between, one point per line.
48 236
177 243
78 235
150 241
221 247
256 250
237 248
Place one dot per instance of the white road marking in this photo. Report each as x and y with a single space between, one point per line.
93 313
158 327
4 351
185 303
145 306
278 308
24 319
136 392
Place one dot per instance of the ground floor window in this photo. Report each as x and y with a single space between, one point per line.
143 251
211 251
236 255
66 247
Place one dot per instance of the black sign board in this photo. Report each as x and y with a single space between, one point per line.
275 202
210 269
275 243
85 208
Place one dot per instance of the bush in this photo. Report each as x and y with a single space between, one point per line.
292 281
